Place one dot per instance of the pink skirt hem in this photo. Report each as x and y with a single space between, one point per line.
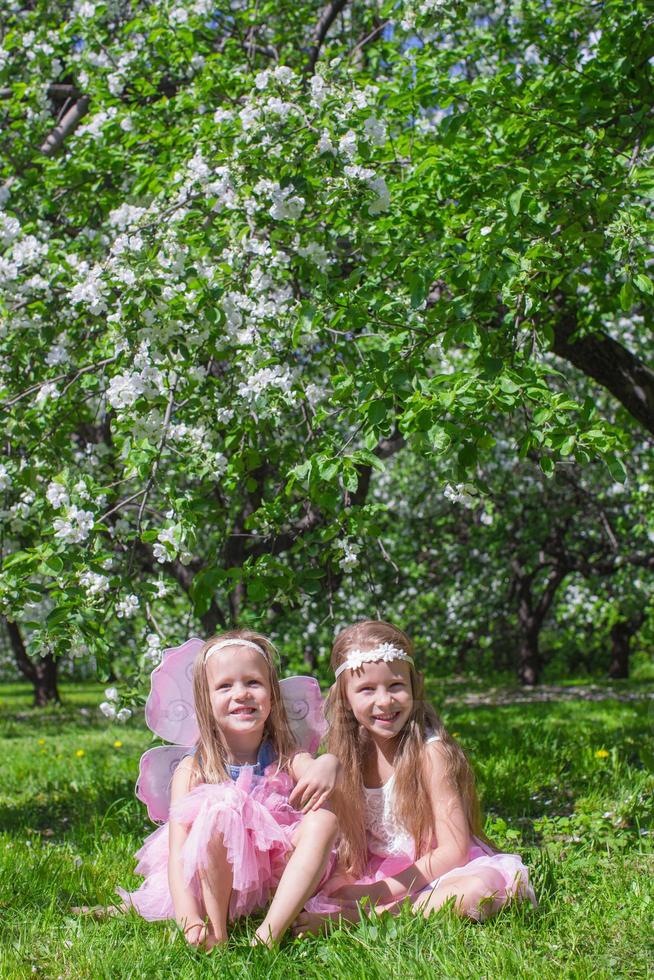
255 823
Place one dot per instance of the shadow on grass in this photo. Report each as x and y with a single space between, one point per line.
70 813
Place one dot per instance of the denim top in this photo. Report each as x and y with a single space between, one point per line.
265 756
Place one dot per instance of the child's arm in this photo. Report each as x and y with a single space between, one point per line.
450 829
315 780
187 909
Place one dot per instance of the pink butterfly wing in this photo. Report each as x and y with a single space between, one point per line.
156 770
169 710
305 709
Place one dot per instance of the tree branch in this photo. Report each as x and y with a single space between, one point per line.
614 367
327 18
23 662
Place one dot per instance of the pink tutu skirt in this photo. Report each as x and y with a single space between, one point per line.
482 859
255 821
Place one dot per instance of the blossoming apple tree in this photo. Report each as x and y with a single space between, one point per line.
252 251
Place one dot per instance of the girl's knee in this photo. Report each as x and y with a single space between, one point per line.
482 895
322 823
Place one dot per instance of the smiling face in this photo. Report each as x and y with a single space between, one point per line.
239 690
381 697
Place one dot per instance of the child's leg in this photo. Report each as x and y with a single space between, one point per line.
475 895
314 841
216 882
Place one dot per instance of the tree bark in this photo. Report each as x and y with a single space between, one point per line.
620 651
614 367
622 633
41 673
529 659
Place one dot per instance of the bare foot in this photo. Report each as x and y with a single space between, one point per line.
200 935
262 938
311 924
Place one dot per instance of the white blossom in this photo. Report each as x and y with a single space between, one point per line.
375 130
127 607
56 495
75 527
94 584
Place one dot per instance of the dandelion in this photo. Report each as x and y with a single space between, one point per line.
41 741
601 754
118 744
80 753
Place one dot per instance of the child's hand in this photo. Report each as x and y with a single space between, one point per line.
376 892
316 784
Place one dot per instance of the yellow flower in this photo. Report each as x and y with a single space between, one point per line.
601 754
118 744
80 753
41 741
456 734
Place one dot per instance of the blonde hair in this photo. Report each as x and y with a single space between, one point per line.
212 753
351 742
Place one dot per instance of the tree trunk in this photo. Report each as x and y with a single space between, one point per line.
529 662
620 650
41 673
45 682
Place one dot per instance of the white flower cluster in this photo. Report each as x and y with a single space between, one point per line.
145 379
350 557
154 651
268 377
9 228
316 253
460 494
127 607
93 583
91 289
96 124
48 390
75 527
109 709
56 495
126 216
169 536
5 477
376 184
285 204
281 73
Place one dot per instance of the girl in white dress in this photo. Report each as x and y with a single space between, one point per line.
409 814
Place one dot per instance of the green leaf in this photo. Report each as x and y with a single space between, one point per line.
616 468
644 283
515 199
626 296
547 466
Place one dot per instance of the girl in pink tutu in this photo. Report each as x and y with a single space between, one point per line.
233 837
411 827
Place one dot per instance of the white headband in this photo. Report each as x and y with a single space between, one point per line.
385 651
235 642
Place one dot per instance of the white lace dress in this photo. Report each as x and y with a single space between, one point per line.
386 837
391 850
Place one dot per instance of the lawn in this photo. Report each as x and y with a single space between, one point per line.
569 783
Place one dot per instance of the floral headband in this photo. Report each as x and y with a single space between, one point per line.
385 651
233 642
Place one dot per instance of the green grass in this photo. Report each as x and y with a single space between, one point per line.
69 825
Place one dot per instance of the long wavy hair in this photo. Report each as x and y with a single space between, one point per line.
212 752
350 742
